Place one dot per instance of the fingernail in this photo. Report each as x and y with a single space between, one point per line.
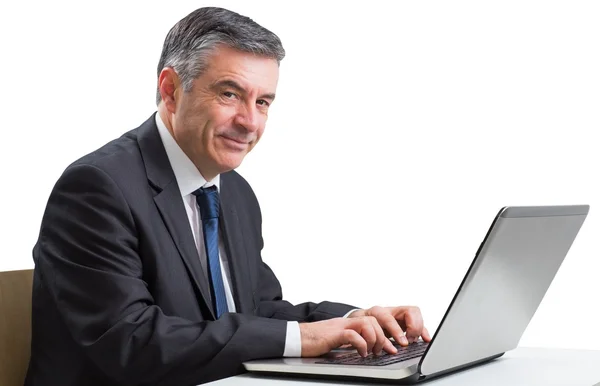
403 340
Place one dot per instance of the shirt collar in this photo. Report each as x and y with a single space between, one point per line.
187 175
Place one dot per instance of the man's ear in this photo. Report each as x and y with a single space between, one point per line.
169 87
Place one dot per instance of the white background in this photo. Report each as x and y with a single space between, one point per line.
399 131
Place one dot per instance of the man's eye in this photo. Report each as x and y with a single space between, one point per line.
262 102
229 94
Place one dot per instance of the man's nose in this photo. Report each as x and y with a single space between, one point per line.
248 116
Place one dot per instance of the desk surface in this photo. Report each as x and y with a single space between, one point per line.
520 367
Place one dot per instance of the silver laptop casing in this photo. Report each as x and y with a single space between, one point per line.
501 291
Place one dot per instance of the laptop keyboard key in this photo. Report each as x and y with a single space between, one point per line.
412 351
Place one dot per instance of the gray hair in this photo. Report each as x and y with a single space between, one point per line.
190 42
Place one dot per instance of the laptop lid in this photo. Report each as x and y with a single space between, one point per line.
501 291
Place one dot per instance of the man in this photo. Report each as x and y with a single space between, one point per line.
148 268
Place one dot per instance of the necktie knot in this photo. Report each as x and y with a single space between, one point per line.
208 202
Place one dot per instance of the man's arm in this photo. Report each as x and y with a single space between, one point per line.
87 255
272 306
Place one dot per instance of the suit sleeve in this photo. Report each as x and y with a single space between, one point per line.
87 254
272 305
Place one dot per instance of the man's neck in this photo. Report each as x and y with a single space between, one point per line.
166 119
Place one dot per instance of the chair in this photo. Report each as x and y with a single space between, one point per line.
15 325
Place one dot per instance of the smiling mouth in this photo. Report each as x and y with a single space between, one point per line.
235 140
235 144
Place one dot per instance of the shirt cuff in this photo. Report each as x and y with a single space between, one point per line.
351 311
293 340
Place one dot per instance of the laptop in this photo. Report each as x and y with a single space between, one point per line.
502 289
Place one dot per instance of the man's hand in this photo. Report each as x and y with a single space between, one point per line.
395 321
362 332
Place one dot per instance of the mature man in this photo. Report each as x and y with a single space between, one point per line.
148 266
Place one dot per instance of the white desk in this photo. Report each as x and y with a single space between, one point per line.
520 367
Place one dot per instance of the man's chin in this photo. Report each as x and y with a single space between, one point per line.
230 163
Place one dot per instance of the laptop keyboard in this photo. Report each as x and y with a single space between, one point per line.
413 350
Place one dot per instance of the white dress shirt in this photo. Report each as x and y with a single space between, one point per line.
189 180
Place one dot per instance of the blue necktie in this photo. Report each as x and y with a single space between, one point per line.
208 202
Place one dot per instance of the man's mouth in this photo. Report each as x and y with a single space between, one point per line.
240 141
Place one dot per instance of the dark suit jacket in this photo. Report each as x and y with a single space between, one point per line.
119 294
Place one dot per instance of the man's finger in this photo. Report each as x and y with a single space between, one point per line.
426 336
364 327
414 324
352 337
381 339
389 347
390 323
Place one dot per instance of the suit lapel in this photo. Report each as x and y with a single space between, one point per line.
170 205
233 236
173 212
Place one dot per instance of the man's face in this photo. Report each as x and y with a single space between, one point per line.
224 115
